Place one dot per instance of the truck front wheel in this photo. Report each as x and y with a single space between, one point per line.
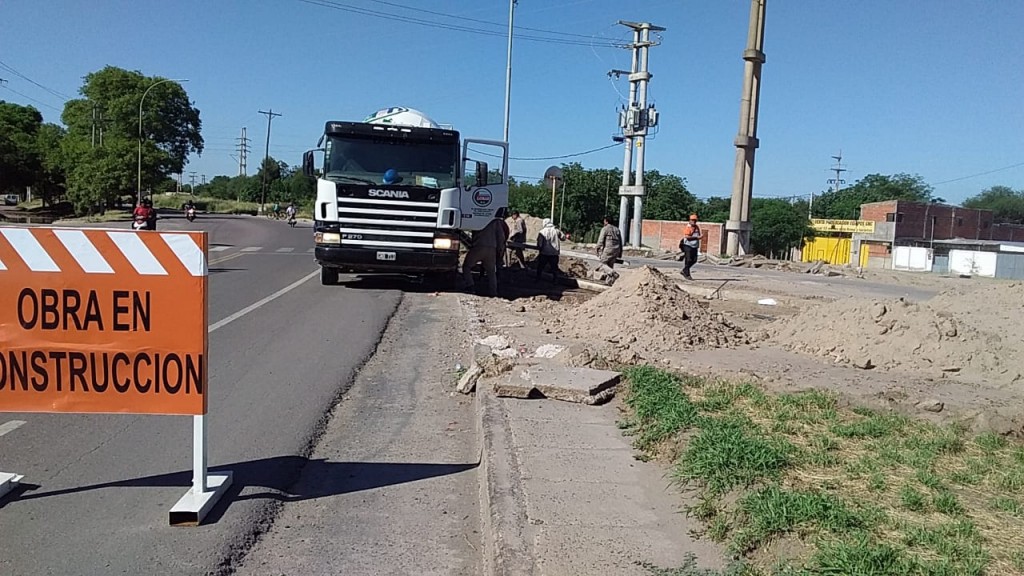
328 276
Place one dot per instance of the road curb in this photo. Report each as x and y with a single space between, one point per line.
506 549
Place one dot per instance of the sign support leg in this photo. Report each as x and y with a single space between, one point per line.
206 488
8 482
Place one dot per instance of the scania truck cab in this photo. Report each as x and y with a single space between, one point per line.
397 193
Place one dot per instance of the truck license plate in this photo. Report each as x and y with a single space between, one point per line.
389 256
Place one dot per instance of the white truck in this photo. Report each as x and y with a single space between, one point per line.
397 193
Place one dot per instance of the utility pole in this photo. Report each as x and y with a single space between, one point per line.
243 153
263 192
508 68
635 119
203 178
838 181
192 189
738 226
835 183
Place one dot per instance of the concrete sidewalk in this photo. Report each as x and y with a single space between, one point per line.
562 494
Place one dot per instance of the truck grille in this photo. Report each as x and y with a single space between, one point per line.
387 223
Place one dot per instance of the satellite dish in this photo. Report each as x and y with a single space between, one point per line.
553 173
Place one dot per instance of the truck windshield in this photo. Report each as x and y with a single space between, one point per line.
389 161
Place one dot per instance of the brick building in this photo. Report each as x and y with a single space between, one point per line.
903 223
665 235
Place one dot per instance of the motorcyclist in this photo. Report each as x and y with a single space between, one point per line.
150 214
190 209
145 213
290 211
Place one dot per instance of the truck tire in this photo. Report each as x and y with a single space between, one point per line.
328 276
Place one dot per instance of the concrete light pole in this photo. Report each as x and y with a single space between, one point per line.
738 226
143 99
508 68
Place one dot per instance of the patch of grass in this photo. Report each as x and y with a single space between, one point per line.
947 503
660 407
729 452
1007 504
912 499
772 511
990 441
859 491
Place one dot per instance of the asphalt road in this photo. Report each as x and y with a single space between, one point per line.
99 487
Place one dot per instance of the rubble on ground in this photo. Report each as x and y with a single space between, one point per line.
818 267
966 332
643 315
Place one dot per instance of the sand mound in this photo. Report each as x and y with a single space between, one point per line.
969 332
646 313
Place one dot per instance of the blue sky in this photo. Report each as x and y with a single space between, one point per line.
925 87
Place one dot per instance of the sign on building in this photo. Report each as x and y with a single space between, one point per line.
844 226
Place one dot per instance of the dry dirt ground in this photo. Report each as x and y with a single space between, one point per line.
940 348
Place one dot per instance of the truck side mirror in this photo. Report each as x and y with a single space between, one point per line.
481 173
307 164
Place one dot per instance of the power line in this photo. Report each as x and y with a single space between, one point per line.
979 174
31 81
563 156
478 21
40 102
433 24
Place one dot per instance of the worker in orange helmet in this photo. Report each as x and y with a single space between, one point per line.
690 245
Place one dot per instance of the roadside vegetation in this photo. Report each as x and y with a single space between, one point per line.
798 484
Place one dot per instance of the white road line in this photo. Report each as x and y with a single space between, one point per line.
311 250
218 248
221 323
8 427
252 249
285 249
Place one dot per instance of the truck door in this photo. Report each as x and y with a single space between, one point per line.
484 182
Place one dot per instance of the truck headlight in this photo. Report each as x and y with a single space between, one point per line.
327 238
446 244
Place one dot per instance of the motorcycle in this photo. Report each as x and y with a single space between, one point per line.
140 223
190 214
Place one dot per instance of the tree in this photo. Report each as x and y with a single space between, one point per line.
714 209
19 159
110 105
52 180
1006 204
845 204
667 197
778 226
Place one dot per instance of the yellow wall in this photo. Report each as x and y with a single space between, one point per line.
830 249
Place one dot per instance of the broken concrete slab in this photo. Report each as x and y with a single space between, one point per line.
467 383
558 382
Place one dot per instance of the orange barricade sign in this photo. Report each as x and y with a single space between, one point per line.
103 321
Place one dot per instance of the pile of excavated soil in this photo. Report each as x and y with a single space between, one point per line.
645 314
969 332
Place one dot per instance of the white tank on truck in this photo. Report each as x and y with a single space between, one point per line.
397 192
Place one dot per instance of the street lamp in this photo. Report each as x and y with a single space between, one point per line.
153 85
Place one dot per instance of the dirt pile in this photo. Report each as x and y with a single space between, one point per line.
968 333
644 315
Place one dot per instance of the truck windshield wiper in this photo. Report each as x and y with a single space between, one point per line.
351 178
